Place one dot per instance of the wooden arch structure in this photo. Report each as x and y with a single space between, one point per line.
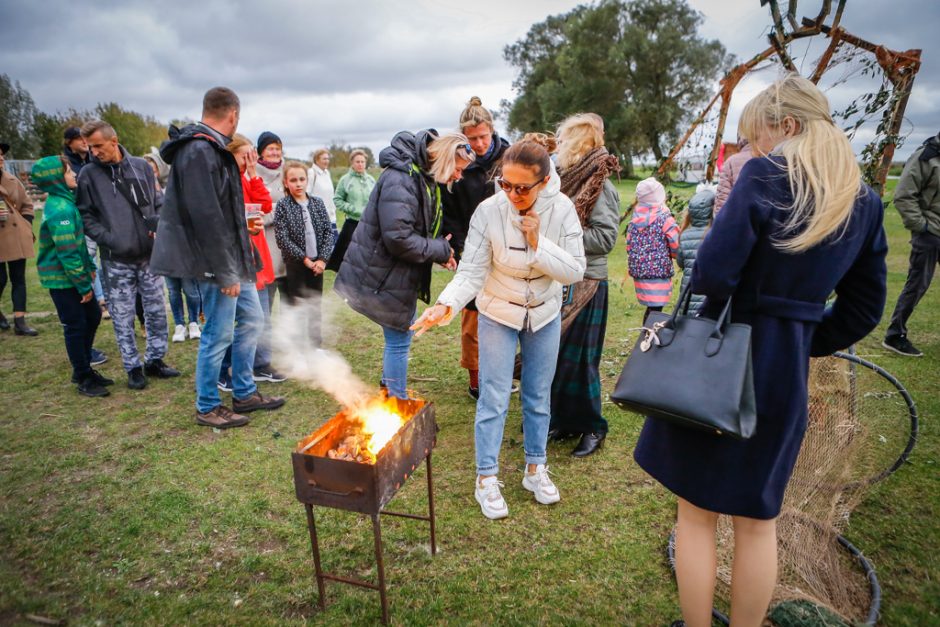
900 68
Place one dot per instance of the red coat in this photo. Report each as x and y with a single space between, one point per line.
256 192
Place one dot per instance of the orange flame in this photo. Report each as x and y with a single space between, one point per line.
380 422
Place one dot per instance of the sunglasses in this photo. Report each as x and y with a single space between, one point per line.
521 190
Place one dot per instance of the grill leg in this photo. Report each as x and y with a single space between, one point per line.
377 530
315 546
431 505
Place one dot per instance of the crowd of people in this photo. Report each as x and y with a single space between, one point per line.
228 225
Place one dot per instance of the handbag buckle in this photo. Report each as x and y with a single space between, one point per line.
651 336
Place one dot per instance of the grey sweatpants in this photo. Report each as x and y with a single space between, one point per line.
125 280
925 254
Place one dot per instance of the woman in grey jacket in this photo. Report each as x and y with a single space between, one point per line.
524 244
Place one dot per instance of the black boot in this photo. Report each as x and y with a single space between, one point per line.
21 328
590 443
4 323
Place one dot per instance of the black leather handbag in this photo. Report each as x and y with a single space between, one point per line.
694 372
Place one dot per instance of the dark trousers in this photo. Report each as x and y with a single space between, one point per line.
306 288
17 271
925 253
79 324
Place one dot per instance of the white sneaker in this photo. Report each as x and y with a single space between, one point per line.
194 332
490 499
540 484
179 333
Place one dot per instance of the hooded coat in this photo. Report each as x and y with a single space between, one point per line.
119 207
388 264
700 217
63 261
203 232
16 233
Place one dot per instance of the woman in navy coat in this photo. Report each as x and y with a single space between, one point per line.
798 226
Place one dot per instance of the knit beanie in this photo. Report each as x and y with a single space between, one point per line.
267 138
650 192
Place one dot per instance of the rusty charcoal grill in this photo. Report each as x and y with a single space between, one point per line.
364 487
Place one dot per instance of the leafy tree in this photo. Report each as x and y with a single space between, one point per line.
17 116
640 64
48 130
136 132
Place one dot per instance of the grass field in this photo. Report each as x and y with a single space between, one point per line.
123 511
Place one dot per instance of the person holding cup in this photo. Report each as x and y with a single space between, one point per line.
257 204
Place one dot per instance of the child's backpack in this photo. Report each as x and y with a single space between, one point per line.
649 251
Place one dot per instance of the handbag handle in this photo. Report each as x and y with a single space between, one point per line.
713 344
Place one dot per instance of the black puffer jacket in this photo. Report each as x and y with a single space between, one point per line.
388 264
203 233
474 187
700 218
119 207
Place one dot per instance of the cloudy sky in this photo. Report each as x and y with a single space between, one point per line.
357 72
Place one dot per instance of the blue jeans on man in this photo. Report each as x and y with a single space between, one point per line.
497 359
220 331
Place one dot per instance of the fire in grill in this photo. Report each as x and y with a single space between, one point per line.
357 461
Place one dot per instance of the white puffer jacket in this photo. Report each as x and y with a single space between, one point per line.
513 284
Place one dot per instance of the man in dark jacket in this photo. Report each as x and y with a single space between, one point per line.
119 211
203 235
917 198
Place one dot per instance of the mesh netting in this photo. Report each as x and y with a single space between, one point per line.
859 426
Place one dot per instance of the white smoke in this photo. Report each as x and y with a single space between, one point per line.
297 355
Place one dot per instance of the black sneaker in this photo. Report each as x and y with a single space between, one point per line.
136 379
98 357
225 382
157 368
268 374
90 387
256 401
902 346
99 378
474 393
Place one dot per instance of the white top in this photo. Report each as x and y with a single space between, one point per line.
513 284
320 184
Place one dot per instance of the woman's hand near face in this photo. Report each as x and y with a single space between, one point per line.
530 227
251 160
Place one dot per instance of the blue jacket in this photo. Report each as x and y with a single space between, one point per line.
700 217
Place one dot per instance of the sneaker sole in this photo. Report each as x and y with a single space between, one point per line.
487 515
266 406
100 395
535 493
891 348
97 363
224 425
223 388
179 340
264 379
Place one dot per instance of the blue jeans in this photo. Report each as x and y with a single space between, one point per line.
263 352
176 288
220 330
497 357
395 360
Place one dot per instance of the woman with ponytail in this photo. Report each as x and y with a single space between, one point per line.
524 244
798 226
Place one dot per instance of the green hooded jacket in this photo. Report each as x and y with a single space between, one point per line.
63 260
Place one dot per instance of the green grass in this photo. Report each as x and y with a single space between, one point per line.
122 510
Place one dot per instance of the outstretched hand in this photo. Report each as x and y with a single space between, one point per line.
432 317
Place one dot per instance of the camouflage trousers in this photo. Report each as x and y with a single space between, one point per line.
125 280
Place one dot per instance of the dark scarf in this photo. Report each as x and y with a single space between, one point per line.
583 182
271 165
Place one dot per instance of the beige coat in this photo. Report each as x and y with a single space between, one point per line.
16 234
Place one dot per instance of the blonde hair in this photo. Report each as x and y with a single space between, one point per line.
288 166
578 135
357 153
238 141
820 164
475 114
316 154
443 152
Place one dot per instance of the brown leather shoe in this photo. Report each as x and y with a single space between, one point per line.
221 417
257 401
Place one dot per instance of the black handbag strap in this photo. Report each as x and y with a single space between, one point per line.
668 330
